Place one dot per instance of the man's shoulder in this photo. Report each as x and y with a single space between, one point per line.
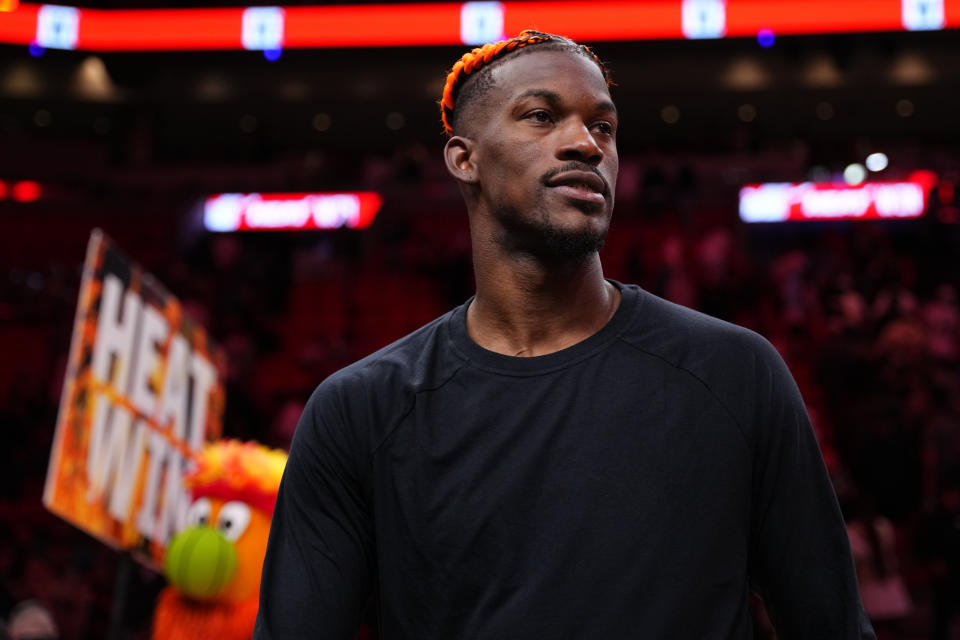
736 364
397 371
688 337
738 367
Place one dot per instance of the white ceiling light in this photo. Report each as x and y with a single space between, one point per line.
854 174
877 161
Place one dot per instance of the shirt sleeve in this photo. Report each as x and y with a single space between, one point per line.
800 554
319 561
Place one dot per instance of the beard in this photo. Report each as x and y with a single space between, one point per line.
537 237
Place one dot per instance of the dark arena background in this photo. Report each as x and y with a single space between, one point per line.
788 166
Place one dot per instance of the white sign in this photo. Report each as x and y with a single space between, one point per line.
58 27
481 22
704 18
922 15
262 28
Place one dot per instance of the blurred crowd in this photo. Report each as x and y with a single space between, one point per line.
866 315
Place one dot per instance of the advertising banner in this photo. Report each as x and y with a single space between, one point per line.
141 396
290 211
788 202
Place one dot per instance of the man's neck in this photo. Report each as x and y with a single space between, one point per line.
525 307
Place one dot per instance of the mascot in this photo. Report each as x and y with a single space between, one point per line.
214 564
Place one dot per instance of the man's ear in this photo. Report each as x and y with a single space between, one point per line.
458 155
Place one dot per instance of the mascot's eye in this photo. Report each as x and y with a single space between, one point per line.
198 514
233 520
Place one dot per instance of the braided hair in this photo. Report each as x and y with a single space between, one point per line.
471 65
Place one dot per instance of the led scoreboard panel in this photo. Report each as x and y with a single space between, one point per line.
416 24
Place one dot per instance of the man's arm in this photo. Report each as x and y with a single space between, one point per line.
319 562
800 554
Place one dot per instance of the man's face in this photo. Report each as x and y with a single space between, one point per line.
546 153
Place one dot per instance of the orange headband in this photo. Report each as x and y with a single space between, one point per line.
481 56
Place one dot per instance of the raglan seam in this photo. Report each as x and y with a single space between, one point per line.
413 403
727 410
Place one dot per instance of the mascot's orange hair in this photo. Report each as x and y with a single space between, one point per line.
480 57
235 470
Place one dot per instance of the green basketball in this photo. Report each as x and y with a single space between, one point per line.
200 562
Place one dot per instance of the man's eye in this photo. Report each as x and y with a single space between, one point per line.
605 128
540 115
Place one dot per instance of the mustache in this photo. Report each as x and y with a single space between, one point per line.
574 165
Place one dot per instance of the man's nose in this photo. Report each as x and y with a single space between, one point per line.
577 143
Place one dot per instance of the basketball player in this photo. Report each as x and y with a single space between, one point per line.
563 456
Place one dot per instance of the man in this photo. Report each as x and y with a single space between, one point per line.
563 456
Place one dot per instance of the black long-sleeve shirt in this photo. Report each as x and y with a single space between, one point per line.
635 485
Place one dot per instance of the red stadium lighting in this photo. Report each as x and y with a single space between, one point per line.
786 202
3 189
418 24
290 211
26 191
925 178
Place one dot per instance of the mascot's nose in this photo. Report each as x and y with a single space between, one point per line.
200 562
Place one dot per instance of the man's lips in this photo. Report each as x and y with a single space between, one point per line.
580 185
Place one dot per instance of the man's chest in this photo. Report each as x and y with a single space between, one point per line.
536 454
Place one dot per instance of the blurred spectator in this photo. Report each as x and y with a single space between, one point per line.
285 423
939 542
882 588
30 620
